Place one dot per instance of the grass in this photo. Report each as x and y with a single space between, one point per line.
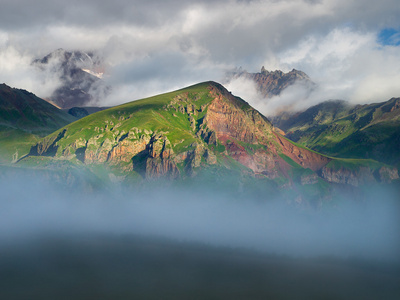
150 114
367 131
15 141
353 164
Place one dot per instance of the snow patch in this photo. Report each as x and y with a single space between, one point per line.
98 75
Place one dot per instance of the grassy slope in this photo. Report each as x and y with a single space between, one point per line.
23 110
15 141
24 119
156 114
368 131
146 114
151 114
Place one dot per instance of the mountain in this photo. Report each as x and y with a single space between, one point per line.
200 132
339 129
24 118
23 110
272 83
80 75
81 112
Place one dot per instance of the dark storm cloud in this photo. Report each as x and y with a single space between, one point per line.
22 14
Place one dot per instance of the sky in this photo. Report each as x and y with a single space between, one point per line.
350 48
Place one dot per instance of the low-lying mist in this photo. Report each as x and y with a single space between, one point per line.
32 208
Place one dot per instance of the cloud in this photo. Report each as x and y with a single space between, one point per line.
345 64
16 70
326 38
348 65
157 73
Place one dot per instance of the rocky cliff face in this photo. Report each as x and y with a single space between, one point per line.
239 127
360 176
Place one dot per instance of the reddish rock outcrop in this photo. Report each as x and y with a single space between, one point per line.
231 118
233 121
304 157
127 149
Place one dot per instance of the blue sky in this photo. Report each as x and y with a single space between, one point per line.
389 36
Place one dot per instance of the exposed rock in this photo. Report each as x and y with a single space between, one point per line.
95 154
79 74
302 156
231 119
159 167
194 157
387 175
227 117
207 135
210 157
160 146
358 177
272 83
309 179
192 122
126 149
156 146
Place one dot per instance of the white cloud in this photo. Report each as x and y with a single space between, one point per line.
16 71
346 64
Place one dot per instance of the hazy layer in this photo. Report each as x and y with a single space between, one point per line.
33 208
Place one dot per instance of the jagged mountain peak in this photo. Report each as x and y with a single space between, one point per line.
73 58
272 83
79 74
297 73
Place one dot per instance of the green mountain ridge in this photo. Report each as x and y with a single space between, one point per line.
336 128
200 134
24 118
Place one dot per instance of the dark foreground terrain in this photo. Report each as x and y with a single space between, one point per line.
133 267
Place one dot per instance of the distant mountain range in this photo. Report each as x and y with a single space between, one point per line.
80 75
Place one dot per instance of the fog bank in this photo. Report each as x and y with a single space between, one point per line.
32 209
